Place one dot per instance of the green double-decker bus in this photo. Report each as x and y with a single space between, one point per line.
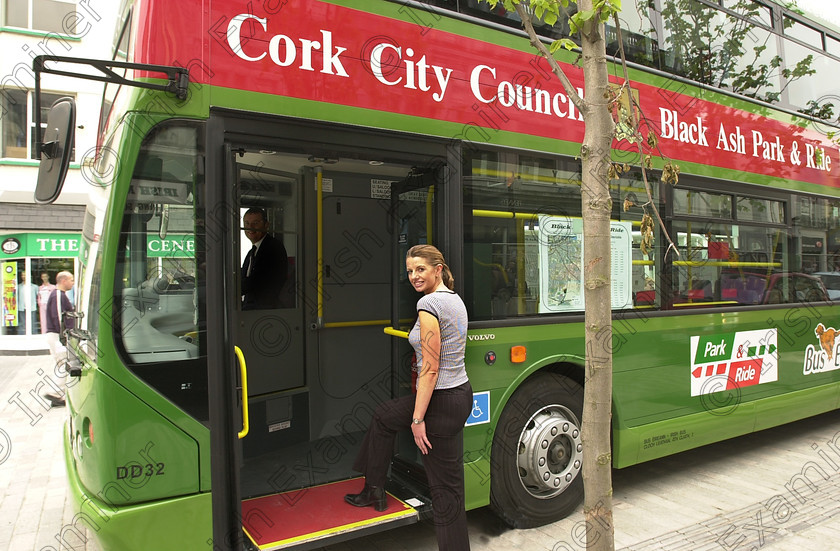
363 127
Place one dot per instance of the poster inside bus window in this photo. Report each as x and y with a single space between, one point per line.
561 262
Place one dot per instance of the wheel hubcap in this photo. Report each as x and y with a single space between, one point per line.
550 453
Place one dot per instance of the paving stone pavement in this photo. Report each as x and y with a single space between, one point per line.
772 491
35 511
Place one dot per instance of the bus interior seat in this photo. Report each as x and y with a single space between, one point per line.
729 289
701 290
161 307
148 295
644 298
752 291
139 334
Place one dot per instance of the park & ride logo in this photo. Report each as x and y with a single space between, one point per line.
726 361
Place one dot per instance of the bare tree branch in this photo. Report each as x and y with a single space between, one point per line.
575 98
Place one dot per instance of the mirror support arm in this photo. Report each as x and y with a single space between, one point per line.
178 79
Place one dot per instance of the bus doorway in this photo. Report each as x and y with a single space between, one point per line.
415 215
317 359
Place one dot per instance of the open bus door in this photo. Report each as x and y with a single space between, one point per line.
299 408
414 215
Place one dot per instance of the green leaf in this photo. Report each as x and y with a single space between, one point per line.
562 43
585 15
574 28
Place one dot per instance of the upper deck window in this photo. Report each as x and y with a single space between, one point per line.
832 46
702 203
731 45
751 10
803 32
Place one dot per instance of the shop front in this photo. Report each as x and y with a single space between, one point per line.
29 263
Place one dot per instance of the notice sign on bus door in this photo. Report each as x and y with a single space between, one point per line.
726 361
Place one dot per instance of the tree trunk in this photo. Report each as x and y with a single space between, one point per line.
597 206
596 209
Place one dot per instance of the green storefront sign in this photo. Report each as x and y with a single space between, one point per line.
50 245
172 246
63 245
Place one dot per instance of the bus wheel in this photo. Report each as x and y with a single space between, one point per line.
537 455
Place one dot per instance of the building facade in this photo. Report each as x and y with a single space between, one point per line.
36 241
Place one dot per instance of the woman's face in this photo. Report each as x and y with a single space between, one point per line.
422 276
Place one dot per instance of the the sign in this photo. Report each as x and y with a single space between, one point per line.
53 245
45 245
324 52
172 246
561 260
823 356
481 409
380 189
10 245
726 361
164 193
10 295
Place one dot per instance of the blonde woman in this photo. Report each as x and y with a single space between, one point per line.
437 412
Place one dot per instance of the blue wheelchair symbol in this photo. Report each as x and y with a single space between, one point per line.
481 409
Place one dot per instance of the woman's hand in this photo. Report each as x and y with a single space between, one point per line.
419 432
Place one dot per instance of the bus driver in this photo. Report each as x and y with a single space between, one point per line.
265 266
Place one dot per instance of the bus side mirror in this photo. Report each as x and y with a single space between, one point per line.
55 150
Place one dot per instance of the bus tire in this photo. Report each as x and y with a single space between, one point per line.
536 461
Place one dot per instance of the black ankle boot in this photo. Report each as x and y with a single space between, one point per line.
371 495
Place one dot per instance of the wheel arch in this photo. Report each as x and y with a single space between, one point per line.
560 364
515 495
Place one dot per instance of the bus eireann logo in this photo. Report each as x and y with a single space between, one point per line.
824 357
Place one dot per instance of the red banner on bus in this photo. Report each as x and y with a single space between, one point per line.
337 55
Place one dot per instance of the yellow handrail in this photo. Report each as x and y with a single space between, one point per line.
363 323
430 195
726 263
319 197
243 371
483 213
503 214
710 303
396 332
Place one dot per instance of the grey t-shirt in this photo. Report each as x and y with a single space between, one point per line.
451 314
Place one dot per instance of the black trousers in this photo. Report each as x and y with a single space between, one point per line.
445 417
